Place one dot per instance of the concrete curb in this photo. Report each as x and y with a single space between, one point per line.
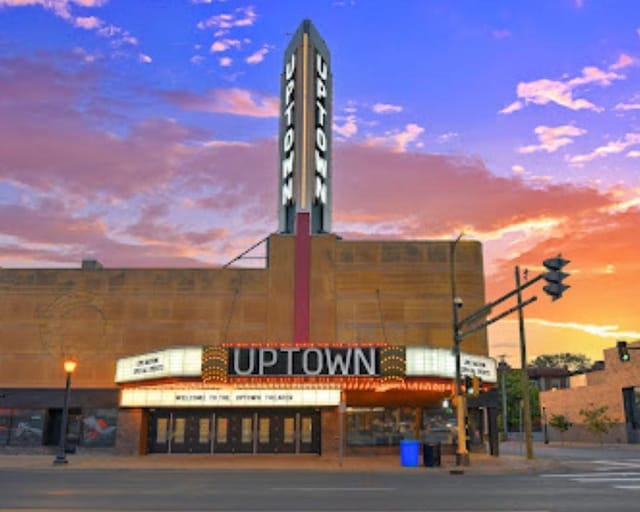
479 463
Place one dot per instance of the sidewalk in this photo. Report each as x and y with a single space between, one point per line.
480 463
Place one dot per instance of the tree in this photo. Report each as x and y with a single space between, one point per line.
573 362
513 384
561 423
596 420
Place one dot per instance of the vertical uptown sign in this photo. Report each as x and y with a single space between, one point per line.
304 170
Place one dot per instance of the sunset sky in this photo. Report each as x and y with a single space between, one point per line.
143 133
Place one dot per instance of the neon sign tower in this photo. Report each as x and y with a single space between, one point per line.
304 171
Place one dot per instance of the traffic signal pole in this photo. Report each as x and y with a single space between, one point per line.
554 288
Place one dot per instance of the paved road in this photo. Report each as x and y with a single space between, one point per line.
306 491
574 453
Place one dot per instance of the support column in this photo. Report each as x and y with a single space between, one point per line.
302 284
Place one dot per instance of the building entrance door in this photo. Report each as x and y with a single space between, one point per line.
234 431
179 432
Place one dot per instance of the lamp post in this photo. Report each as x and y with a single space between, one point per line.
462 455
69 367
544 425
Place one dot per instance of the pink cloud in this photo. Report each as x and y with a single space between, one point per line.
623 61
441 194
398 141
240 102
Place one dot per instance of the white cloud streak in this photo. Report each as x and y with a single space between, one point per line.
552 138
603 331
259 55
241 17
612 148
386 108
545 91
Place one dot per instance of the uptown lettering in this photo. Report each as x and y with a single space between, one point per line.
321 165
289 135
293 361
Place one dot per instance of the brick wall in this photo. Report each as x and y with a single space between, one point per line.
131 434
397 292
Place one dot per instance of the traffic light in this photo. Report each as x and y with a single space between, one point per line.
472 385
468 385
623 351
476 385
554 277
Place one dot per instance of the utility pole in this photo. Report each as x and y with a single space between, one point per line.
526 403
502 365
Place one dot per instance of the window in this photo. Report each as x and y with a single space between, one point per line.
379 426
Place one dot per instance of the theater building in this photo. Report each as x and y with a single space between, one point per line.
334 343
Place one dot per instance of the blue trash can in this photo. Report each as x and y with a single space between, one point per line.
409 453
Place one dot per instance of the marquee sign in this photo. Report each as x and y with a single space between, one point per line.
172 362
153 397
440 362
328 363
305 131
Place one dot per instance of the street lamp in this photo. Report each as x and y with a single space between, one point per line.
69 368
462 455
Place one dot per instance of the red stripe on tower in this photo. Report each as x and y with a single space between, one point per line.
302 279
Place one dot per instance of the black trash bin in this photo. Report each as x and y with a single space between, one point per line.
431 454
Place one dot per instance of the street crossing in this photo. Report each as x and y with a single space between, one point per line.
620 474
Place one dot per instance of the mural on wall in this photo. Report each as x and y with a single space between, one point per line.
65 322
5 425
26 427
99 427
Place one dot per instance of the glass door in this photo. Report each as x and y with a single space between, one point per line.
158 432
198 433
308 426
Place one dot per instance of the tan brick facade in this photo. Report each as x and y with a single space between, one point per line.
397 292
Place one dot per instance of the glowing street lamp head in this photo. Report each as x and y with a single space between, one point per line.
70 365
